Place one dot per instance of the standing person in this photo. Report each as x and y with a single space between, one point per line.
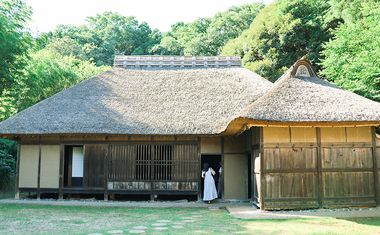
220 181
209 192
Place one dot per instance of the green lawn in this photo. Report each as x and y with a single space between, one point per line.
28 219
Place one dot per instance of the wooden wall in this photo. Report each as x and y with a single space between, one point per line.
39 166
317 167
42 160
347 166
376 137
28 169
49 175
289 168
211 145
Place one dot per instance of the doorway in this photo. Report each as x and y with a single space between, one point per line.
73 165
214 161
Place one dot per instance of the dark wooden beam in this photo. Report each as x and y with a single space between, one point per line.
199 172
17 189
61 170
375 166
252 169
262 175
39 170
223 167
105 170
319 188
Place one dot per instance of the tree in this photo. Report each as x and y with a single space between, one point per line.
67 46
352 57
48 73
206 36
102 37
14 41
8 151
280 34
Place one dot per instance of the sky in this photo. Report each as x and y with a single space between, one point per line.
159 14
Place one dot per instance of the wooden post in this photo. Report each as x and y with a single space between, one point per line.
199 172
223 166
152 164
61 171
17 190
252 169
105 170
39 170
262 172
319 167
375 166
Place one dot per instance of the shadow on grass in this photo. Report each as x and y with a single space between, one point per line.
374 221
7 194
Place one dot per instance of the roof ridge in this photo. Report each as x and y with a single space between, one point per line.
159 61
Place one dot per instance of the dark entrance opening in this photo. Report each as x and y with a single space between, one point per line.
214 162
73 166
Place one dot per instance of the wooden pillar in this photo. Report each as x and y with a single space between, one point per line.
61 170
199 172
223 166
17 190
319 167
152 192
375 166
105 170
262 172
252 169
39 170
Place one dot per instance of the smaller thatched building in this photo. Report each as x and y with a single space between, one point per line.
146 126
314 144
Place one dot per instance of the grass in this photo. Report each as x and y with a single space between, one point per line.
32 219
315 226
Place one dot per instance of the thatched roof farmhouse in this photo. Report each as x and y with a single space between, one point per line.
148 125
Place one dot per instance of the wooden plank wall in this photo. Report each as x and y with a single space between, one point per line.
94 165
347 167
289 168
376 137
317 167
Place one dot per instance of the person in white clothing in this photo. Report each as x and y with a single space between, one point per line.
209 192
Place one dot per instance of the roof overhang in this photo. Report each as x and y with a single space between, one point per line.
239 125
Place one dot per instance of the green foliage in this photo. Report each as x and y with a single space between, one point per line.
346 10
280 34
352 58
206 36
66 46
102 37
14 41
8 150
49 72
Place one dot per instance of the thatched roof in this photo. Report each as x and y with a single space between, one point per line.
144 101
300 96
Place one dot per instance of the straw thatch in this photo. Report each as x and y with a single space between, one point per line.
124 101
296 98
